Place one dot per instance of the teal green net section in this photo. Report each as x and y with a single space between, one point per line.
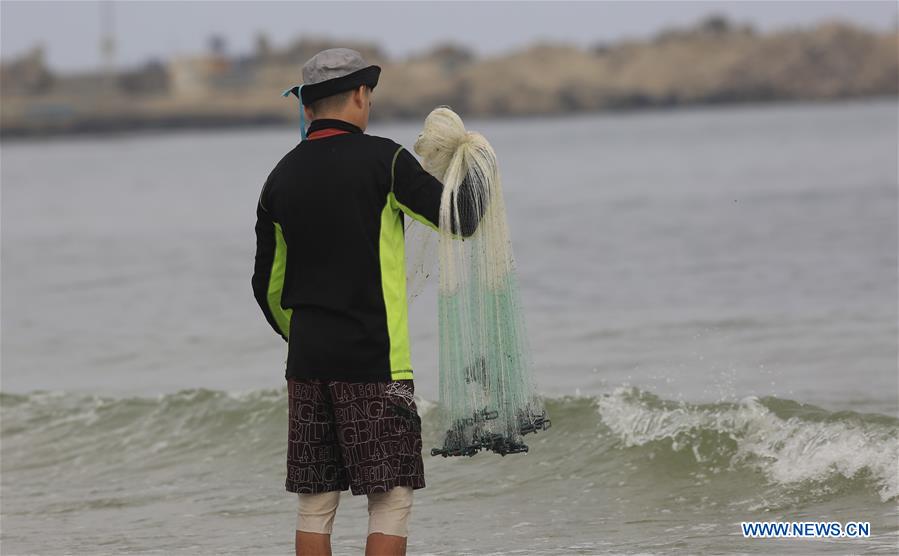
487 393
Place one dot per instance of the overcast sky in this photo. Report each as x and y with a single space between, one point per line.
70 31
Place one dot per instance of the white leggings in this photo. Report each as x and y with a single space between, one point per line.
388 512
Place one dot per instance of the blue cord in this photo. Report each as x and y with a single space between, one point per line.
297 89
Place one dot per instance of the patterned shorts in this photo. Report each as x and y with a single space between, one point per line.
360 435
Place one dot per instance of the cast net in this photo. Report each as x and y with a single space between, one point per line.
488 396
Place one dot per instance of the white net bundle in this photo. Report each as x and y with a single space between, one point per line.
488 396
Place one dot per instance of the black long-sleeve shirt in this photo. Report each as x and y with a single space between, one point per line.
330 274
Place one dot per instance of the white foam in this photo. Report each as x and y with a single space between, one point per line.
424 406
787 451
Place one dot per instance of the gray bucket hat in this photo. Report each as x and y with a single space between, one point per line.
336 70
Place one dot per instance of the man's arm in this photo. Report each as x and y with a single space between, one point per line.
418 194
268 273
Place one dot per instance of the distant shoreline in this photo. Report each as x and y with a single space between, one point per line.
117 128
713 63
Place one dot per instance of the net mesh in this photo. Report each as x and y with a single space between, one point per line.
421 257
487 390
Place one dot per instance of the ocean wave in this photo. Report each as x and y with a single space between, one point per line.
792 445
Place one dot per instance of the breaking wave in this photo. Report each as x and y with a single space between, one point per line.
789 444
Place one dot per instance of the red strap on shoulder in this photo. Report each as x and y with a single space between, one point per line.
322 133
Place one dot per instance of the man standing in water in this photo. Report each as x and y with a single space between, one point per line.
330 279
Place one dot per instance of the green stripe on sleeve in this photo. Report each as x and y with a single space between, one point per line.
276 283
392 249
398 205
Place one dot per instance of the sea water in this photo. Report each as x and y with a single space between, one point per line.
710 295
